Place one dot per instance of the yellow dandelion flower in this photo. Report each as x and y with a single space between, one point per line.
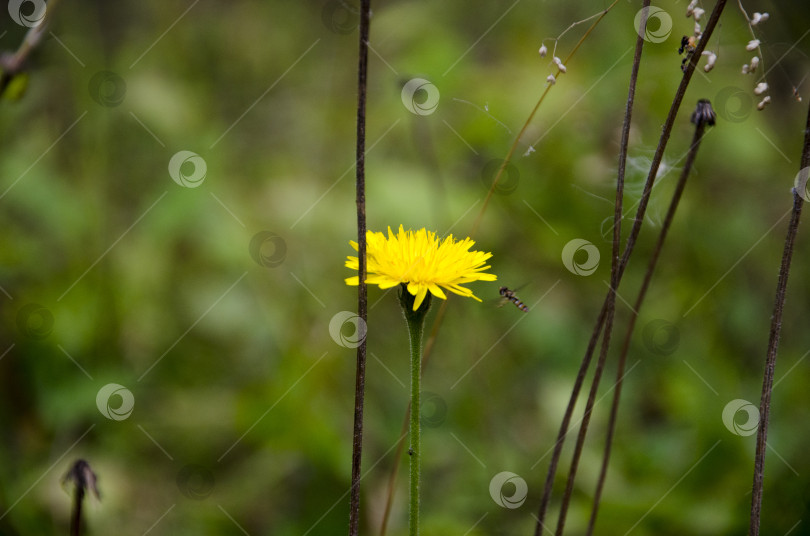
422 261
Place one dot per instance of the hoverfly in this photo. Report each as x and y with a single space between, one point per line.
510 296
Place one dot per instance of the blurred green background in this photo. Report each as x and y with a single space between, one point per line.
211 304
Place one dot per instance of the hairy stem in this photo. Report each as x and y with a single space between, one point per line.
416 323
773 341
362 298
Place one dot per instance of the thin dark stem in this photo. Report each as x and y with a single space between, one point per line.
362 300
673 206
630 244
76 514
614 269
773 343
12 64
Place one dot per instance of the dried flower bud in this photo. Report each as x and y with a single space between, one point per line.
763 103
711 57
558 62
753 44
543 51
697 13
551 80
754 64
761 88
703 114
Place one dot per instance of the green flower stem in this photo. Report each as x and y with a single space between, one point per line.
416 323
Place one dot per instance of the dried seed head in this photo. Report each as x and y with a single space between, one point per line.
703 114
763 103
543 51
761 88
753 44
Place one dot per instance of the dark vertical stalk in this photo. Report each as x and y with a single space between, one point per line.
83 478
362 299
631 240
703 116
610 306
773 341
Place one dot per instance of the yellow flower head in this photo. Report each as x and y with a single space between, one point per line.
421 260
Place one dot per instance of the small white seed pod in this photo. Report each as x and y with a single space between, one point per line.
558 62
753 44
711 57
691 7
698 12
543 51
754 63
551 80
763 103
761 88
